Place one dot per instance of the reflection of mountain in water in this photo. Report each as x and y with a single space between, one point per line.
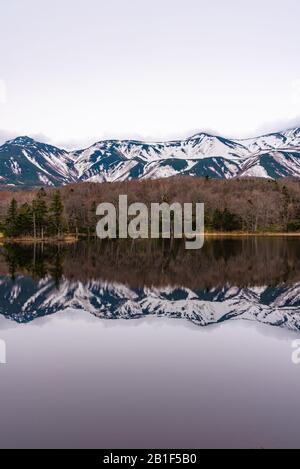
228 279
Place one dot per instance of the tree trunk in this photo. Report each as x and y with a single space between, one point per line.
34 226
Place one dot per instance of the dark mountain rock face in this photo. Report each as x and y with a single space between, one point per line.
25 162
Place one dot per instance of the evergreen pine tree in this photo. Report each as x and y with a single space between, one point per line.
11 219
56 213
24 220
40 210
217 220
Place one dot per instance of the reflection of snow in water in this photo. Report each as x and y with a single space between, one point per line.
24 300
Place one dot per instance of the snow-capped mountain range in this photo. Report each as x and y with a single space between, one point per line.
24 300
28 163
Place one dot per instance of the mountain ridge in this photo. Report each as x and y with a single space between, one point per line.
26 300
25 162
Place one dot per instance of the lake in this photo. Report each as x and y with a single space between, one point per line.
146 345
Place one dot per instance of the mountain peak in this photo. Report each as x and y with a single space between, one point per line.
22 140
25 161
200 135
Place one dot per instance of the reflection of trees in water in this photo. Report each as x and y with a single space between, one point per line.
37 260
234 261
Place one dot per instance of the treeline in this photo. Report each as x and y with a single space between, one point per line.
247 205
37 219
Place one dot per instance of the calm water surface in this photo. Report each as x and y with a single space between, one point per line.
148 345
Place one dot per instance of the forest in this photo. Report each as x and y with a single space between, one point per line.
251 205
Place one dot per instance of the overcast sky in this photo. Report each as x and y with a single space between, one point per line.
76 71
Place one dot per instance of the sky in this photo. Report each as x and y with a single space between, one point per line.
76 71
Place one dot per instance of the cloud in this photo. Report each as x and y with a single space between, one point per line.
3 92
74 144
80 143
9 135
279 125
296 92
6 135
68 144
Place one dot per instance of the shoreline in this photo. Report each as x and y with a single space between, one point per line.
31 240
71 239
251 234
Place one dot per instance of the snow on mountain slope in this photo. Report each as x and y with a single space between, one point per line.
289 139
25 162
272 156
24 300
